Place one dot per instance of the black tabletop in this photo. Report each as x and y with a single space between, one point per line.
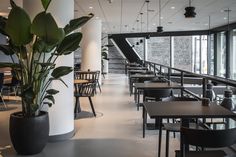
186 109
151 85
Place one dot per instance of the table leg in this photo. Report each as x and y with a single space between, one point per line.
184 123
144 121
77 108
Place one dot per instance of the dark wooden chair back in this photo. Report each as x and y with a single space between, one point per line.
85 89
209 138
157 94
91 76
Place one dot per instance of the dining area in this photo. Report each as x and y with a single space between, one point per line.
195 119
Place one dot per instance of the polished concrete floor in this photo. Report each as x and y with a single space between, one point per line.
115 132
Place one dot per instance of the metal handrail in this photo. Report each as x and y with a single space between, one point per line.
205 78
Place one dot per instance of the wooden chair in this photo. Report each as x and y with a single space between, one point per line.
207 139
154 95
175 126
85 90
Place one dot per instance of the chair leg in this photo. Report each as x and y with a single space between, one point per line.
167 143
99 86
91 104
160 136
4 104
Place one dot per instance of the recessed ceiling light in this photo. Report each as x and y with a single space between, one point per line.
172 7
9 8
206 24
97 17
162 17
154 24
225 18
90 7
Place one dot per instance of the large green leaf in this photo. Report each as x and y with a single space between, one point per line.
45 4
77 23
6 49
3 22
28 94
45 26
43 65
42 47
69 44
18 26
13 4
61 71
12 65
52 91
50 97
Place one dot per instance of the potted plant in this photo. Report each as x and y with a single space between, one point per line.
36 46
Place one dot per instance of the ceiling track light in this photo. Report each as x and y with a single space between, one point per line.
159 28
190 11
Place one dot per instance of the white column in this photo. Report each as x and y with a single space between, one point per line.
61 114
145 54
91 45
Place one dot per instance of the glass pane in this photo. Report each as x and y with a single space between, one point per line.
182 52
196 54
233 54
221 54
204 54
159 50
211 70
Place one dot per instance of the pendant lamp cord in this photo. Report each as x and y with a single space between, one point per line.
159 12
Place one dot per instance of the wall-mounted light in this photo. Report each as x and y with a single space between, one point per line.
190 11
148 36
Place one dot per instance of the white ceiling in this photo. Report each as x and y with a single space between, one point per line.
123 19
173 19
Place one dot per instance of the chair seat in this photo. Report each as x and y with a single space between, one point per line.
175 127
213 153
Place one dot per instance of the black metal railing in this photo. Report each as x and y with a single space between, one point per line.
158 68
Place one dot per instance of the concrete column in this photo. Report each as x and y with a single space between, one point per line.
61 114
91 45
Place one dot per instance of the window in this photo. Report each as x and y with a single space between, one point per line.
221 54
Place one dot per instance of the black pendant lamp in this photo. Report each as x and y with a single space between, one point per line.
190 11
137 43
159 28
148 36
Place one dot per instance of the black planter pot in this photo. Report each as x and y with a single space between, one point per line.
29 135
